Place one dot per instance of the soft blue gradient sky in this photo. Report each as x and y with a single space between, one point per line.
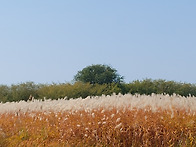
48 41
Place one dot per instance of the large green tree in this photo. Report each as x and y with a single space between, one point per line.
98 74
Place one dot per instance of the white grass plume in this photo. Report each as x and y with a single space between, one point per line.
154 102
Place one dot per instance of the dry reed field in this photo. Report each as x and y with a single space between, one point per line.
117 120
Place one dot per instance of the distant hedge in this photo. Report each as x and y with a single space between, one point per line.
54 91
149 86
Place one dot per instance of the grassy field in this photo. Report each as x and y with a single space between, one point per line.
117 120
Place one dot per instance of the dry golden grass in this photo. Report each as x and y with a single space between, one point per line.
116 125
99 128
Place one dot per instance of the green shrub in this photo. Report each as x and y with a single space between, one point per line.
78 89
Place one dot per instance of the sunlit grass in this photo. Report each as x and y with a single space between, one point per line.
102 121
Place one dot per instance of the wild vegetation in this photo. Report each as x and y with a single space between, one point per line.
94 80
117 120
17 92
88 113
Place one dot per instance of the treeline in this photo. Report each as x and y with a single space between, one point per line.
54 91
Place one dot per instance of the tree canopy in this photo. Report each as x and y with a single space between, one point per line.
98 74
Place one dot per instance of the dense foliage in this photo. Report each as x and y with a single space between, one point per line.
109 128
54 91
117 120
98 74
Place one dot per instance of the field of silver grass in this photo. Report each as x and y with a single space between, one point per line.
117 120
128 101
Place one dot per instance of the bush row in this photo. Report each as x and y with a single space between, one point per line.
54 91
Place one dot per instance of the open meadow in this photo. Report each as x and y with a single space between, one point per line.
117 120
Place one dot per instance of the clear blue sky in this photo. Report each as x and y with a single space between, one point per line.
47 41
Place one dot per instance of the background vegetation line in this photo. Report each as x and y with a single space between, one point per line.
22 91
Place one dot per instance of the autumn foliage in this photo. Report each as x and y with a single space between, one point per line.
112 124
